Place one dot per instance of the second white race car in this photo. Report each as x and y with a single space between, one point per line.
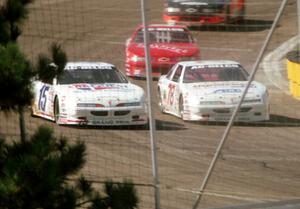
210 91
90 93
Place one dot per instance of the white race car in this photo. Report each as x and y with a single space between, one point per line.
210 90
90 93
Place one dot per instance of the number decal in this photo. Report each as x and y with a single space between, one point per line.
171 93
43 98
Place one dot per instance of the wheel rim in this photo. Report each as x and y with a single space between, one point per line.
181 109
161 108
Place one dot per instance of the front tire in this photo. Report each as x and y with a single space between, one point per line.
234 15
56 111
160 103
32 113
241 18
228 15
181 107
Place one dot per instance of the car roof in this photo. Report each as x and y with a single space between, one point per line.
88 65
208 62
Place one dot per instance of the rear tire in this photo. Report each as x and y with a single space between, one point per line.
56 111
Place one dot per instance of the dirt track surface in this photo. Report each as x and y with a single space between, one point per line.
260 161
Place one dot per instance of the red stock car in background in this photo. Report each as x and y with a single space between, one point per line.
168 45
199 12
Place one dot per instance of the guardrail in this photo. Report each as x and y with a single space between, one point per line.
293 72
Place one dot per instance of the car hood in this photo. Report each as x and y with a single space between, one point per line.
165 49
224 89
103 93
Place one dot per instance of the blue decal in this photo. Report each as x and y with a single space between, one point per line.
228 91
43 98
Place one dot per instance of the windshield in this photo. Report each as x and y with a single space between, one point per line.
93 76
207 73
165 35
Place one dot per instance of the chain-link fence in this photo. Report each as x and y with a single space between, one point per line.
258 163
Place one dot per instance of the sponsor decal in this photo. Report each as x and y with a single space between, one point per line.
110 122
82 86
63 120
92 67
103 122
103 87
164 29
169 48
163 59
220 84
215 66
95 87
194 3
191 10
227 91
163 47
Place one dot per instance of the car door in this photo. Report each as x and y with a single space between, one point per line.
174 90
44 99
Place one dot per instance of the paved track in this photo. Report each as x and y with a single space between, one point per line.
260 161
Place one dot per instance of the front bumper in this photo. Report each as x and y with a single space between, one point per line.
139 69
106 116
193 20
246 113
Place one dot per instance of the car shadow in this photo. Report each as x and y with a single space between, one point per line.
275 121
243 26
161 125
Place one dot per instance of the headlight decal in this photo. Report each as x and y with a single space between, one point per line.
128 104
136 58
89 105
172 9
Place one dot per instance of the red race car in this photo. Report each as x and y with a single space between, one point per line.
168 45
199 12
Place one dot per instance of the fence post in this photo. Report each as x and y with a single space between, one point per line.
150 108
298 14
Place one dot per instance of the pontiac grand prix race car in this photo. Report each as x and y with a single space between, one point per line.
168 45
90 93
198 12
210 91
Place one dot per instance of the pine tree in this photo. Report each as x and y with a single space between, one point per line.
15 70
36 174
